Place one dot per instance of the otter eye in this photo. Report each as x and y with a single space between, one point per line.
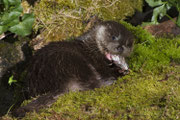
129 44
113 38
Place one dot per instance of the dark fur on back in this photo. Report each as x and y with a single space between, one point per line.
59 63
79 64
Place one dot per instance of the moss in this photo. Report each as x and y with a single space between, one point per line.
150 53
135 96
61 19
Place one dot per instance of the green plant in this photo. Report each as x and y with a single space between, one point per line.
161 8
11 80
12 18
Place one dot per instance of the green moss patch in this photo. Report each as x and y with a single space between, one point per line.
152 54
135 96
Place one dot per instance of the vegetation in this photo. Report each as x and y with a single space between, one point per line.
62 19
152 54
11 18
11 80
135 96
161 8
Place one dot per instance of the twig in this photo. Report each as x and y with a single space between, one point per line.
2 36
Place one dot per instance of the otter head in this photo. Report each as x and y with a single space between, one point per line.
115 42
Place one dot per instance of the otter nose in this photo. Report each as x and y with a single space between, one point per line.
120 49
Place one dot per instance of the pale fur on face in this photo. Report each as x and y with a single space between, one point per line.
100 36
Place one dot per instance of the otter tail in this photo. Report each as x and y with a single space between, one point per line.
40 102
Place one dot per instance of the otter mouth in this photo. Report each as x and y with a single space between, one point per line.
118 60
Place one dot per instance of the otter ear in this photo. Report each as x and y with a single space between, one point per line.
94 20
91 22
97 21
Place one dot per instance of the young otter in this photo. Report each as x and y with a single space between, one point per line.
80 64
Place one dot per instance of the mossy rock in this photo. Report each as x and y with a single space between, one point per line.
11 55
62 19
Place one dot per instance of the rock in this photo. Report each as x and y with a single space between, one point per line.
164 28
11 54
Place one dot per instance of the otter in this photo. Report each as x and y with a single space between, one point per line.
94 59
